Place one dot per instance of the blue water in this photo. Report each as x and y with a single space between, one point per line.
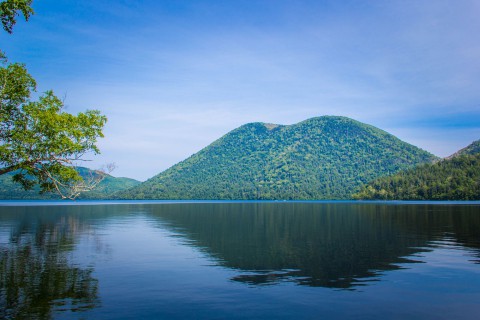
239 260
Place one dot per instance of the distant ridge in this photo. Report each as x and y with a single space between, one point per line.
326 157
105 189
472 149
454 178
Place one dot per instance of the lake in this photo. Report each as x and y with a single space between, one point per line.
239 260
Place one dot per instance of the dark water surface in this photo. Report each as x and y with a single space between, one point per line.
243 260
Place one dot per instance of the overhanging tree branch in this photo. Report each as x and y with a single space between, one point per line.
40 142
73 188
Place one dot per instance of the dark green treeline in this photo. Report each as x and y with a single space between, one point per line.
457 178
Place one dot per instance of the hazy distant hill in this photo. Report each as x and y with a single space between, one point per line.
454 178
320 158
109 186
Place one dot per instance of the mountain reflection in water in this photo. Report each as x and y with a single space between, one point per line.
331 245
195 260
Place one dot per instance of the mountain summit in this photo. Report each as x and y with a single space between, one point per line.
320 158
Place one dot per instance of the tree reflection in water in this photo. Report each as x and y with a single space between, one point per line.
37 277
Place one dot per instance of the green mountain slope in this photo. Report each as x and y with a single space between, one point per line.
110 185
320 158
454 178
472 149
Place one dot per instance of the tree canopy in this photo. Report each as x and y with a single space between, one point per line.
38 140
10 9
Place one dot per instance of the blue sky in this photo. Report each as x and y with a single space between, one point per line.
173 76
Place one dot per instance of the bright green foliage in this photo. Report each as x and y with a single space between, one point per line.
456 178
37 139
15 88
9 10
320 158
104 190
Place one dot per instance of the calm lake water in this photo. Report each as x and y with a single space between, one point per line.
240 260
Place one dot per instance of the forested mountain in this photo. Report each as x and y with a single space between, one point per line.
454 178
104 190
320 158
